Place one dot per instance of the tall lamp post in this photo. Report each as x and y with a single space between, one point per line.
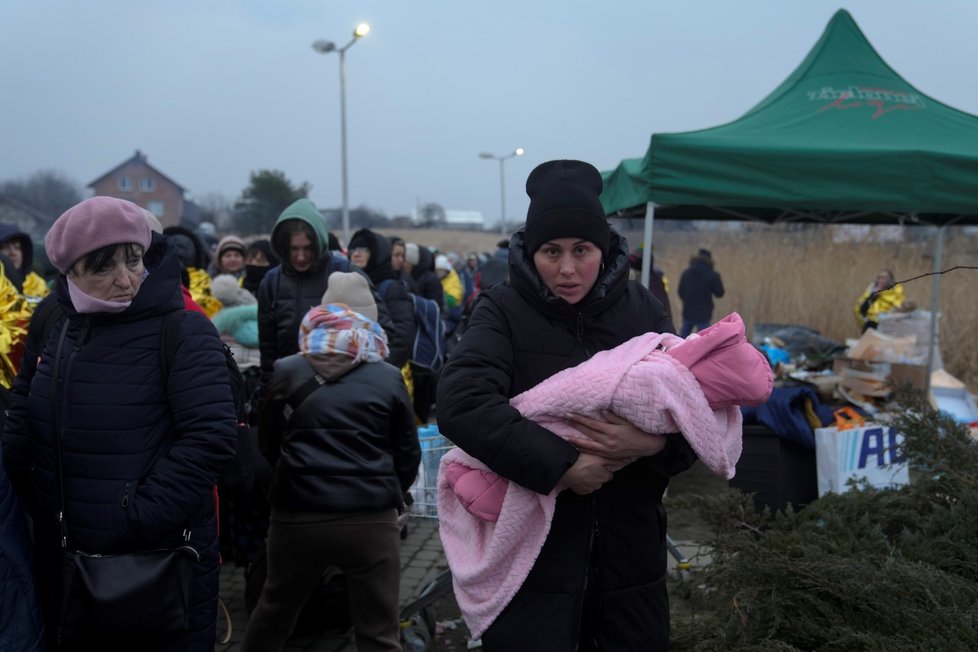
502 184
325 47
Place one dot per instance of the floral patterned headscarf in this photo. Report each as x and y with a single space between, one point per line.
334 328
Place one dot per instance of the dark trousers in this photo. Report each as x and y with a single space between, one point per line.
301 547
689 325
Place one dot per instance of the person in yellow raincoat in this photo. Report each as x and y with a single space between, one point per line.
882 295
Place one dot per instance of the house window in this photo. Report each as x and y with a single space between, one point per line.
156 208
125 183
147 184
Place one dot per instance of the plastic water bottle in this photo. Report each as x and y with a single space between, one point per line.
415 638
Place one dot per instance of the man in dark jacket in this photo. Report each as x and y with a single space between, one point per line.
289 290
697 287
599 581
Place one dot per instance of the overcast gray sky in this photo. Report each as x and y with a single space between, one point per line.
213 90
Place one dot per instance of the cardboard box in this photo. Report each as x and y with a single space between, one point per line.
878 378
914 374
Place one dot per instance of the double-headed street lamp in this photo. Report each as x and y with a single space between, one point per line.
325 47
502 184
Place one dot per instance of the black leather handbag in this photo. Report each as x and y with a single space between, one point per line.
118 595
142 593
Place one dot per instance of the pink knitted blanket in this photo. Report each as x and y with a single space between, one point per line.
492 530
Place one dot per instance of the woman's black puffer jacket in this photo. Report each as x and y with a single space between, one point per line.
140 458
351 445
392 291
608 546
426 283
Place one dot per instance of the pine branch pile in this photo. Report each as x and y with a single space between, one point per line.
885 570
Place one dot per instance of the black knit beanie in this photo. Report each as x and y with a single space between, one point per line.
564 203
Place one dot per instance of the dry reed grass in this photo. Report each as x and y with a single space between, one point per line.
806 276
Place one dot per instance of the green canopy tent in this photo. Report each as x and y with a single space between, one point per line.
844 139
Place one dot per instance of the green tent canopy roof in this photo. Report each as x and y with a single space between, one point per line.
843 135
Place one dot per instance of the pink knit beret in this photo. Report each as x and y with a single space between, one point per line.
93 224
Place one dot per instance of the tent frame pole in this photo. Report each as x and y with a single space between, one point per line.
935 294
647 244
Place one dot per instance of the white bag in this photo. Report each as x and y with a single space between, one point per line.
870 451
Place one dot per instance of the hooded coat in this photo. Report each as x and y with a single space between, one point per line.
286 294
10 232
394 294
607 548
426 283
193 254
140 458
32 285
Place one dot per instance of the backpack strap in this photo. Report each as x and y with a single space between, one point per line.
384 286
46 315
168 342
299 396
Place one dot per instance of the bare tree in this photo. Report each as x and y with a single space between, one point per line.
216 209
432 215
47 191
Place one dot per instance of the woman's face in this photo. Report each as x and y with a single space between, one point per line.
568 267
118 280
11 249
883 280
231 261
360 256
397 257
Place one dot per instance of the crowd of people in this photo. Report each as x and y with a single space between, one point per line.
112 444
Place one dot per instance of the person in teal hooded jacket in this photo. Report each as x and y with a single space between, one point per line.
300 239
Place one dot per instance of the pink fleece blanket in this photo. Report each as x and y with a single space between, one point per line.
492 530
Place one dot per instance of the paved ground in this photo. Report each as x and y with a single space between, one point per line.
422 560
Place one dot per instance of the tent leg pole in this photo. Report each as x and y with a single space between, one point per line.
647 244
934 303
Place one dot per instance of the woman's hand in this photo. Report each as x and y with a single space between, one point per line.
587 474
616 438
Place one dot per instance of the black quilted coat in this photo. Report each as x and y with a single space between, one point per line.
140 458
599 582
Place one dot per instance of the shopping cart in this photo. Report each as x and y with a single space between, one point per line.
417 617
424 491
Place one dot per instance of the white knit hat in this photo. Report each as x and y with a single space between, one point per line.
411 253
352 290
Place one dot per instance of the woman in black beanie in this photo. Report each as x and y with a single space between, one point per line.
599 581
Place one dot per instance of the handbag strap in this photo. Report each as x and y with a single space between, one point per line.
59 454
56 431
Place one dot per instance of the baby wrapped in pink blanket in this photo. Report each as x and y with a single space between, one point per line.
492 530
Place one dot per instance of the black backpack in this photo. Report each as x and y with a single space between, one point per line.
238 476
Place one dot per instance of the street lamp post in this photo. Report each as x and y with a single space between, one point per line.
502 184
325 47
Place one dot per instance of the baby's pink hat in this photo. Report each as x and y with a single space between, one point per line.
93 224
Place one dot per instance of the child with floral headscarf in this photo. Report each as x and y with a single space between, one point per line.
338 429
